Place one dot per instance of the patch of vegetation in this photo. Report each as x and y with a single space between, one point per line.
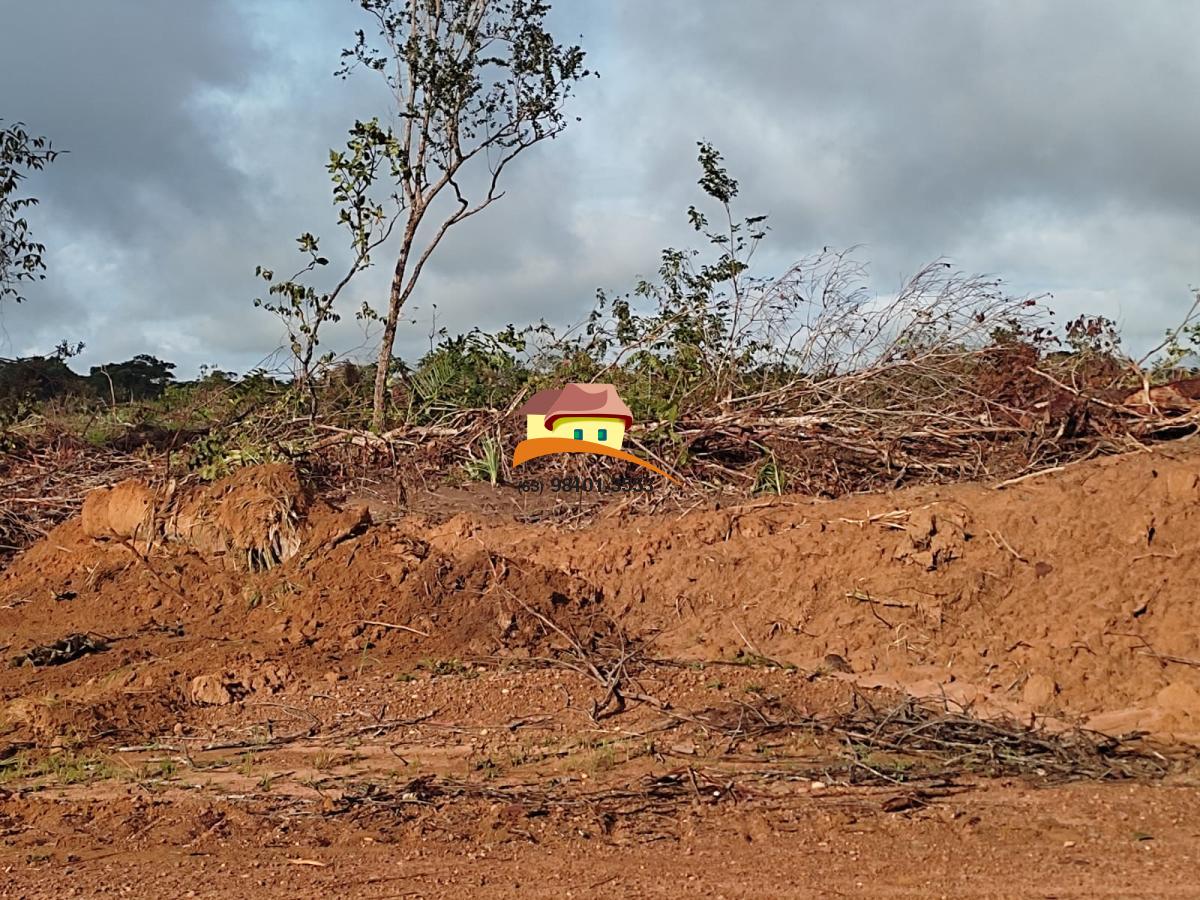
327 760
604 755
754 660
486 466
488 768
246 764
152 771
770 477
445 667
602 759
57 769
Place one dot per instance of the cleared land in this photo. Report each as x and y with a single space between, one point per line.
950 691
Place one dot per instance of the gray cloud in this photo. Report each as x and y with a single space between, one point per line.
114 82
1047 143
1064 130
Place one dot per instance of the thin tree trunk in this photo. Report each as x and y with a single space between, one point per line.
397 295
395 300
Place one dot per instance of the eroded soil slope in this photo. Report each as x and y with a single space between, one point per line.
1070 594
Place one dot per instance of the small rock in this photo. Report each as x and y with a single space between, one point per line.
835 663
506 622
1179 697
209 690
1039 690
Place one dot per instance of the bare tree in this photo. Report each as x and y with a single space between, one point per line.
475 83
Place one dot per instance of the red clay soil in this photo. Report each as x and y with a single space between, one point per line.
274 677
1008 841
1071 594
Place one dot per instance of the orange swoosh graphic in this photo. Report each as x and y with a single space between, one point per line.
532 448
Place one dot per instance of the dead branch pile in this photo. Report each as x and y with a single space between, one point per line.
951 417
922 390
660 795
824 388
923 739
43 484
62 651
961 742
941 418
920 748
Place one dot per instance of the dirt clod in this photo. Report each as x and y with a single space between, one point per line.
209 690
122 512
1039 691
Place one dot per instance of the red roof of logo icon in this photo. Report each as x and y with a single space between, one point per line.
593 400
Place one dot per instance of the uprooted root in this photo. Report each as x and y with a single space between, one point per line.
69 648
252 517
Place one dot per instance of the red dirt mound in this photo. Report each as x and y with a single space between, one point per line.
1069 595
200 631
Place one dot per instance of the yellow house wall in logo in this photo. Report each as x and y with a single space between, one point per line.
609 431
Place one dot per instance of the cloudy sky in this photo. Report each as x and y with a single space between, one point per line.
1050 143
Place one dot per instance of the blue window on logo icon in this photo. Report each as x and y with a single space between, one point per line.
602 434
579 434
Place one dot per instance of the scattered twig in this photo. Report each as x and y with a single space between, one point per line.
611 673
1147 649
396 627
1028 475
745 640
1000 541
128 545
863 597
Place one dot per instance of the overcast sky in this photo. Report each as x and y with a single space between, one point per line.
1051 143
